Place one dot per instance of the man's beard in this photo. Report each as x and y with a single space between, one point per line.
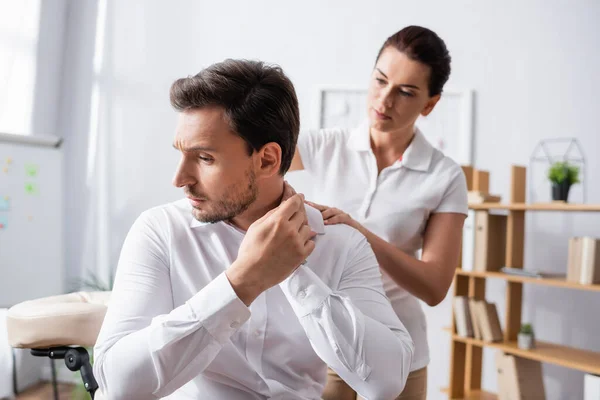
238 197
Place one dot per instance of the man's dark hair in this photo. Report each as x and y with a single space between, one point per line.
259 101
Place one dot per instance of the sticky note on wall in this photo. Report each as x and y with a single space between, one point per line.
31 188
31 170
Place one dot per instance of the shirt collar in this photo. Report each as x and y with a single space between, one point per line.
315 220
419 153
417 156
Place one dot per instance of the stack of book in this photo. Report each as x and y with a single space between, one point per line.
584 260
477 319
519 378
484 241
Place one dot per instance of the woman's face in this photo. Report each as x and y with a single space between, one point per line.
398 92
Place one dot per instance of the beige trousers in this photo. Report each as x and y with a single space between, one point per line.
415 389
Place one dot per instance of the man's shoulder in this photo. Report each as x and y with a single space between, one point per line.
341 238
173 213
340 252
180 206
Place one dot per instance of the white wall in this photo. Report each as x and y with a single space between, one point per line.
532 64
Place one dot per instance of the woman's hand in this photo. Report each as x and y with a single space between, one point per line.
332 215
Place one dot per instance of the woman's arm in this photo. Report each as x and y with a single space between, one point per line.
429 278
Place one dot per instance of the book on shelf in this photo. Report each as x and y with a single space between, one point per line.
488 320
490 241
474 319
583 264
483 241
468 242
477 318
519 378
462 316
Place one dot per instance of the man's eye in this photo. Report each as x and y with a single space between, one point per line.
205 159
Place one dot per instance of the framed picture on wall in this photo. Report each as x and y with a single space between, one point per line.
449 127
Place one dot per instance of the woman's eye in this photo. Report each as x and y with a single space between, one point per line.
380 81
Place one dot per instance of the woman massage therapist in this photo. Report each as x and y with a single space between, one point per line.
387 181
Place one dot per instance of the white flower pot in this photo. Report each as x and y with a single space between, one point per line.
525 341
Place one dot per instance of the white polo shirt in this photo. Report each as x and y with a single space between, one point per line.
175 327
394 205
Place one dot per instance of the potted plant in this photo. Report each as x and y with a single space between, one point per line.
562 175
525 339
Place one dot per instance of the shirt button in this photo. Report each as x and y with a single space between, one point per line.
257 333
234 325
302 294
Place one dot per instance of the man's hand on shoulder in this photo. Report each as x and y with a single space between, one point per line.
274 246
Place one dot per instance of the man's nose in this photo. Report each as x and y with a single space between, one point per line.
183 176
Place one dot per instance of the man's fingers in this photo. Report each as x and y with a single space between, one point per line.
298 220
306 235
309 247
306 232
288 191
290 206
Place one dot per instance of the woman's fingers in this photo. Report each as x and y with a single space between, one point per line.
315 205
331 215
330 212
338 219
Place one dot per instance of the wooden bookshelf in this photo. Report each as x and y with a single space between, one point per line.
558 206
569 357
557 282
466 358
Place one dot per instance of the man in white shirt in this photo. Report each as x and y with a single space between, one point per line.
240 291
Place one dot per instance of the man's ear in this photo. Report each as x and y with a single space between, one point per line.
268 160
429 106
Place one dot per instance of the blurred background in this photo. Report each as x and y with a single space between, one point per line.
89 80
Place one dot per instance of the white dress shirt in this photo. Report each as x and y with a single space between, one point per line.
394 204
175 327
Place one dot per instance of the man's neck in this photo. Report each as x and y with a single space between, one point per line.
269 197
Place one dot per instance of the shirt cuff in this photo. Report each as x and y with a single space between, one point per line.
218 308
305 291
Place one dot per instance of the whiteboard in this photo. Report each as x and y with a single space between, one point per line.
448 128
31 218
